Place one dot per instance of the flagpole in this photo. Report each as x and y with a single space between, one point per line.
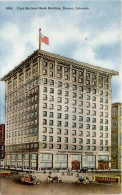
40 39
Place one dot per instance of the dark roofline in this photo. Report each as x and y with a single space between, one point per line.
56 56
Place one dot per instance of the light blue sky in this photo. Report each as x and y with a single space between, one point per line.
67 32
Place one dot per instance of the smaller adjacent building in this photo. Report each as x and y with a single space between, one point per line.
116 136
2 144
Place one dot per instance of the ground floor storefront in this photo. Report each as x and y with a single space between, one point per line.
55 161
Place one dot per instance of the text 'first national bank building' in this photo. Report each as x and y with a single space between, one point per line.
58 110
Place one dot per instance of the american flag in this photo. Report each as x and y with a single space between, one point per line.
44 39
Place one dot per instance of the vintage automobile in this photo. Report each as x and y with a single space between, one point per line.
30 179
54 179
83 180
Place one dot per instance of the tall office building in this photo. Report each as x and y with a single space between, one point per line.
116 136
58 110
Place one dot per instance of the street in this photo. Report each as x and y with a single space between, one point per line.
13 186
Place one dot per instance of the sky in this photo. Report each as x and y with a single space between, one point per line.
89 34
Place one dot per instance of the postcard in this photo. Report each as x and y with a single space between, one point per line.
60 97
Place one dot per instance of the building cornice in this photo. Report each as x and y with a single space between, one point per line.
61 60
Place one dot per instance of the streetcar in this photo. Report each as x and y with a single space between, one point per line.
5 173
106 179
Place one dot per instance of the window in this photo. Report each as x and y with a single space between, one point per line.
93 120
74 132
80 118
73 140
66 85
44 138
74 87
73 117
80 140
106 93
93 127
44 121
106 128
51 106
51 90
59 84
73 147
66 124
80 133
65 147
50 122
74 71
58 146
87 133
88 97
101 148
93 134
44 145
58 115
94 141
50 146
80 125
106 121
50 138
66 116
101 99
93 98
101 142
101 106
66 139
93 76
66 101
106 142
50 130
101 127
59 92
93 148
80 96
45 64
106 100
58 123
87 148
101 134
73 124
88 104
44 113
87 126
58 139
59 99
65 131
88 112
87 141
59 131
87 76
101 120
94 91
45 89
80 73
45 81
74 95
101 92
51 82
50 114
66 93
88 90
59 107
80 88
59 67
88 119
